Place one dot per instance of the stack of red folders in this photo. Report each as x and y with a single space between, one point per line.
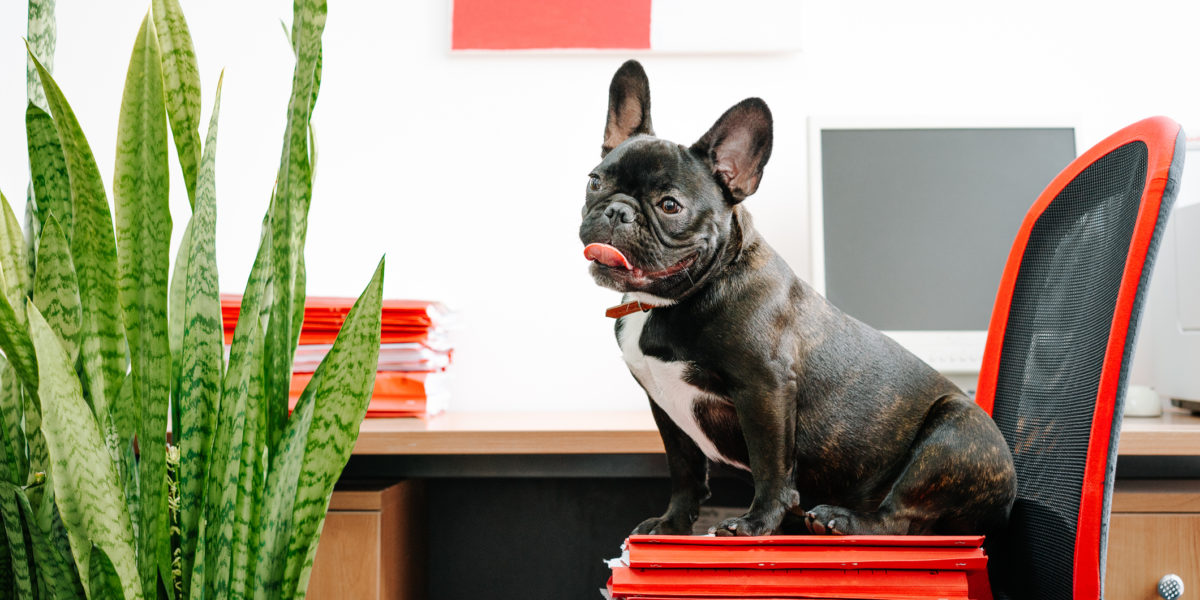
810 566
414 351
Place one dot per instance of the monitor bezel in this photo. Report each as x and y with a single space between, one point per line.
923 343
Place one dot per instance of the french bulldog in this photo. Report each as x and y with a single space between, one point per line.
842 430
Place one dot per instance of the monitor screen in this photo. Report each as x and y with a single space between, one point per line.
915 224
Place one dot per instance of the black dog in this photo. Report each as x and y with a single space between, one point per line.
841 429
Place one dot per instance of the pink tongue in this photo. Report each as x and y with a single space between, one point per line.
606 255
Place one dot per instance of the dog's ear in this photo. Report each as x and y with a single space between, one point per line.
738 146
628 106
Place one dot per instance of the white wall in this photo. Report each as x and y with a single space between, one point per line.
468 170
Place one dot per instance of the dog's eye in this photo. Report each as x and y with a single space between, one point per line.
594 182
670 205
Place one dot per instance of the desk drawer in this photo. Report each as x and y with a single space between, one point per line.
373 545
1142 547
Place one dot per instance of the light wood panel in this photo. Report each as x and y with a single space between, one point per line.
1142 547
615 432
1156 496
347 563
373 545
1174 433
633 432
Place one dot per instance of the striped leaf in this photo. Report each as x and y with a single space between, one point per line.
52 580
14 529
42 35
238 440
181 78
14 340
289 212
103 581
202 356
249 360
68 583
84 476
56 289
39 458
93 247
48 167
175 305
276 515
7 582
14 468
339 392
12 257
143 222
318 442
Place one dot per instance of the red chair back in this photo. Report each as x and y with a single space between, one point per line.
1059 349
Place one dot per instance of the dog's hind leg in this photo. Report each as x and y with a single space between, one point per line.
958 480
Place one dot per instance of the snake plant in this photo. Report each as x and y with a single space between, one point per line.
134 457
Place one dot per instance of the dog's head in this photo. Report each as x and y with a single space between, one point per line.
658 214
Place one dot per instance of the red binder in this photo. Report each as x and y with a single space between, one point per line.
881 567
396 393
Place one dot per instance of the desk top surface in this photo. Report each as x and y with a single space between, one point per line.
1175 433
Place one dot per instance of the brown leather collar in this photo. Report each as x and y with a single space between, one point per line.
628 308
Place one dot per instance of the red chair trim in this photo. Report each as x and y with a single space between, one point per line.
1160 135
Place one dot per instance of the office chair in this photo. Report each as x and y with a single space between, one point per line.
1053 377
1058 352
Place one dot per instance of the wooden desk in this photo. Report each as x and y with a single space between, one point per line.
1152 523
1175 433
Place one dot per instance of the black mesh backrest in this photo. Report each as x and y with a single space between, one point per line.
1055 347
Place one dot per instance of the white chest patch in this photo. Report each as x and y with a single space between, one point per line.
665 384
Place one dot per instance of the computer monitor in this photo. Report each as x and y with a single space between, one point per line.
1171 325
912 223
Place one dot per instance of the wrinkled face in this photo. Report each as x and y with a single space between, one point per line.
654 218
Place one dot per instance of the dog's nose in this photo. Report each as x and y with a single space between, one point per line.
619 212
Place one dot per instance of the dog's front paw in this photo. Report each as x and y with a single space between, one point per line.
747 525
664 525
828 520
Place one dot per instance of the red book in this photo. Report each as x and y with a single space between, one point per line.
880 584
802 567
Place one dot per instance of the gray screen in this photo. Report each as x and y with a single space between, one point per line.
919 222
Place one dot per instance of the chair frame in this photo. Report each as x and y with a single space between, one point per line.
1164 168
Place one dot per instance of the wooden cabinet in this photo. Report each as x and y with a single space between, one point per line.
373 544
1154 530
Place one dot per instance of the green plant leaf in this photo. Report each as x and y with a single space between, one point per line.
68 583
202 354
14 529
56 289
39 458
175 312
12 438
12 256
48 167
7 581
181 78
53 581
317 444
42 35
93 247
143 222
340 391
14 339
239 442
103 581
84 477
289 212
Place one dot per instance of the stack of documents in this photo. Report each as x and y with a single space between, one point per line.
881 567
414 351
